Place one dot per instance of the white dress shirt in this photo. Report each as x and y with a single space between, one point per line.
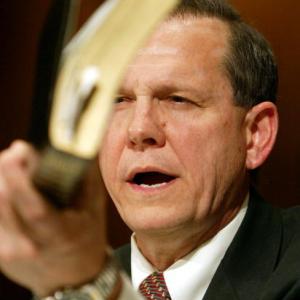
189 277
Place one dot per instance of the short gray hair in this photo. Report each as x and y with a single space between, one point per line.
250 62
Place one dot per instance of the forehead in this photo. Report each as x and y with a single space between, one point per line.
183 46
183 33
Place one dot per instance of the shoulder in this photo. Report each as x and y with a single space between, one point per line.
291 217
285 219
290 227
285 279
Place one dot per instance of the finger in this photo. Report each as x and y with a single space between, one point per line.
39 219
43 223
24 155
22 204
15 245
17 165
9 161
14 242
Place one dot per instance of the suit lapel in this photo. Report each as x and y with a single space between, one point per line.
123 255
251 257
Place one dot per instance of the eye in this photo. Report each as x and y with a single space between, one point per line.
178 99
120 99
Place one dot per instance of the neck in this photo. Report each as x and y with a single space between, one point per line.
164 248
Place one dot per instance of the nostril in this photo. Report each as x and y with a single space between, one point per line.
149 141
148 135
143 141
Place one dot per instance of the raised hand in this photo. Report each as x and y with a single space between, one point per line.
41 247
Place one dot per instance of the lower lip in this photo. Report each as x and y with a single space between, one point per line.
151 189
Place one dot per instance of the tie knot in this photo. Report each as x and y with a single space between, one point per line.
154 287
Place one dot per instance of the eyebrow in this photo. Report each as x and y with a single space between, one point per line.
162 89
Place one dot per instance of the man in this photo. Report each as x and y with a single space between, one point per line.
193 117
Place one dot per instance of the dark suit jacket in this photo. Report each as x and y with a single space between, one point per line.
262 262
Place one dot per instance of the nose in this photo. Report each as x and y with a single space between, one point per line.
146 128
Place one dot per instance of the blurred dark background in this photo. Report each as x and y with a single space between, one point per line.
21 23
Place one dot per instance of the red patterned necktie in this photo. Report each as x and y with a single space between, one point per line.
154 287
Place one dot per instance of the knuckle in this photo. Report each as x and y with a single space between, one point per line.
29 250
21 250
8 161
4 194
37 214
5 158
23 149
18 152
7 252
6 256
20 145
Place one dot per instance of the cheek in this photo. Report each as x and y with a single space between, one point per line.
206 147
110 152
193 143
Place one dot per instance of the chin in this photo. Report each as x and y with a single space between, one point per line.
154 223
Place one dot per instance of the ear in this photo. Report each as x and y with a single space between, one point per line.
261 128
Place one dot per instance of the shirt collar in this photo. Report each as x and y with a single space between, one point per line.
200 265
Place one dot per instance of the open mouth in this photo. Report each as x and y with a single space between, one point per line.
152 179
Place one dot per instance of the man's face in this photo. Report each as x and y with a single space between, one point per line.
176 143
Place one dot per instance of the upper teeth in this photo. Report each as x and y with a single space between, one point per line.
153 185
